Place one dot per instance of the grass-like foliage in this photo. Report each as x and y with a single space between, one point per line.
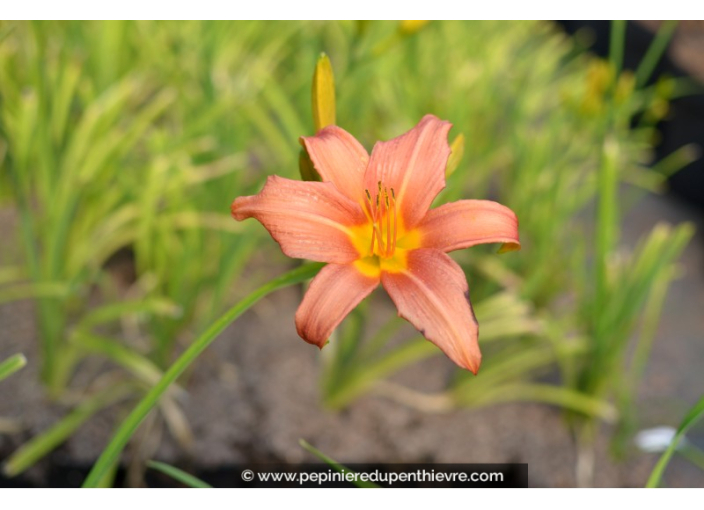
122 145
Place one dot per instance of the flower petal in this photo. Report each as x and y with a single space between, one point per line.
462 224
332 294
339 158
413 165
310 220
432 294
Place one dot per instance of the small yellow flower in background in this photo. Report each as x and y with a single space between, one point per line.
625 86
600 83
409 27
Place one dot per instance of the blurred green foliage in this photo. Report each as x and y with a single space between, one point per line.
122 145
12 365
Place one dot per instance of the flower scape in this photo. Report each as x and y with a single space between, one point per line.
370 220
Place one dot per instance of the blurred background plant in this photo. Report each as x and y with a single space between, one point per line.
123 144
12 365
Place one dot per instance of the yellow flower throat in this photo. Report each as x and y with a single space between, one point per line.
383 242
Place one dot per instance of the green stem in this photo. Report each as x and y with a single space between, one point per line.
46 308
607 215
655 51
130 424
617 44
607 220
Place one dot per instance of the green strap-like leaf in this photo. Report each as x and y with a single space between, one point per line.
177 474
694 414
335 465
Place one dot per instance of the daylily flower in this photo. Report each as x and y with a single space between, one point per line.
370 220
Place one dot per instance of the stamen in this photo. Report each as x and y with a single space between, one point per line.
380 226
388 225
377 210
380 238
393 206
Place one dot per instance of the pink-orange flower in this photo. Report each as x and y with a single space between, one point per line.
370 220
